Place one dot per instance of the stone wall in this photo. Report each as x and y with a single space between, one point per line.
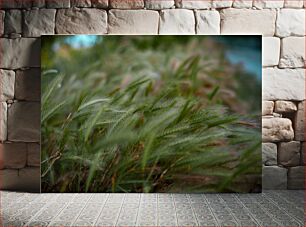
281 22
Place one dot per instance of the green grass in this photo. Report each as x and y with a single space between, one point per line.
145 125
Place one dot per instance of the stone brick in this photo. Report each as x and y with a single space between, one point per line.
248 21
299 122
293 3
24 122
289 153
290 22
221 3
55 4
20 53
15 4
3 121
274 177
208 22
33 154
242 4
277 129
27 86
285 107
25 180
159 4
13 155
283 84
267 107
269 154
39 22
261 4
296 177
133 22
13 21
7 81
177 21
81 21
99 3
271 51
303 160
293 52
2 15
38 3
192 4
80 3
126 4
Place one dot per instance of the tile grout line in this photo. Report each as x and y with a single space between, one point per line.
272 201
216 219
39 212
98 216
138 210
81 210
250 213
117 219
230 211
194 215
64 207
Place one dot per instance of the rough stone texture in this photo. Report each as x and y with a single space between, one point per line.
242 4
15 4
7 80
293 3
277 129
289 153
261 4
13 21
80 3
2 14
269 154
296 177
27 86
274 177
283 84
293 52
80 21
290 22
55 4
3 121
299 122
19 53
191 4
248 21
271 51
126 4
13 155
133 22
285 107
303 160
221 3
99 3
267 107
39 22
33 154
26 179
24 122
38 3
177 21
159 4
208 22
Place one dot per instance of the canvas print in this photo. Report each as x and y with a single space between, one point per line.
151 114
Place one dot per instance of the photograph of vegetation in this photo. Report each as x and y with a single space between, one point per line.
177 114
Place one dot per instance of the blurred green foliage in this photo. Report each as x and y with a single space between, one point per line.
148 114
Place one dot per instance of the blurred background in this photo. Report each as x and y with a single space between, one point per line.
232 63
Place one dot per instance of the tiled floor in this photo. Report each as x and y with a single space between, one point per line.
271 208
